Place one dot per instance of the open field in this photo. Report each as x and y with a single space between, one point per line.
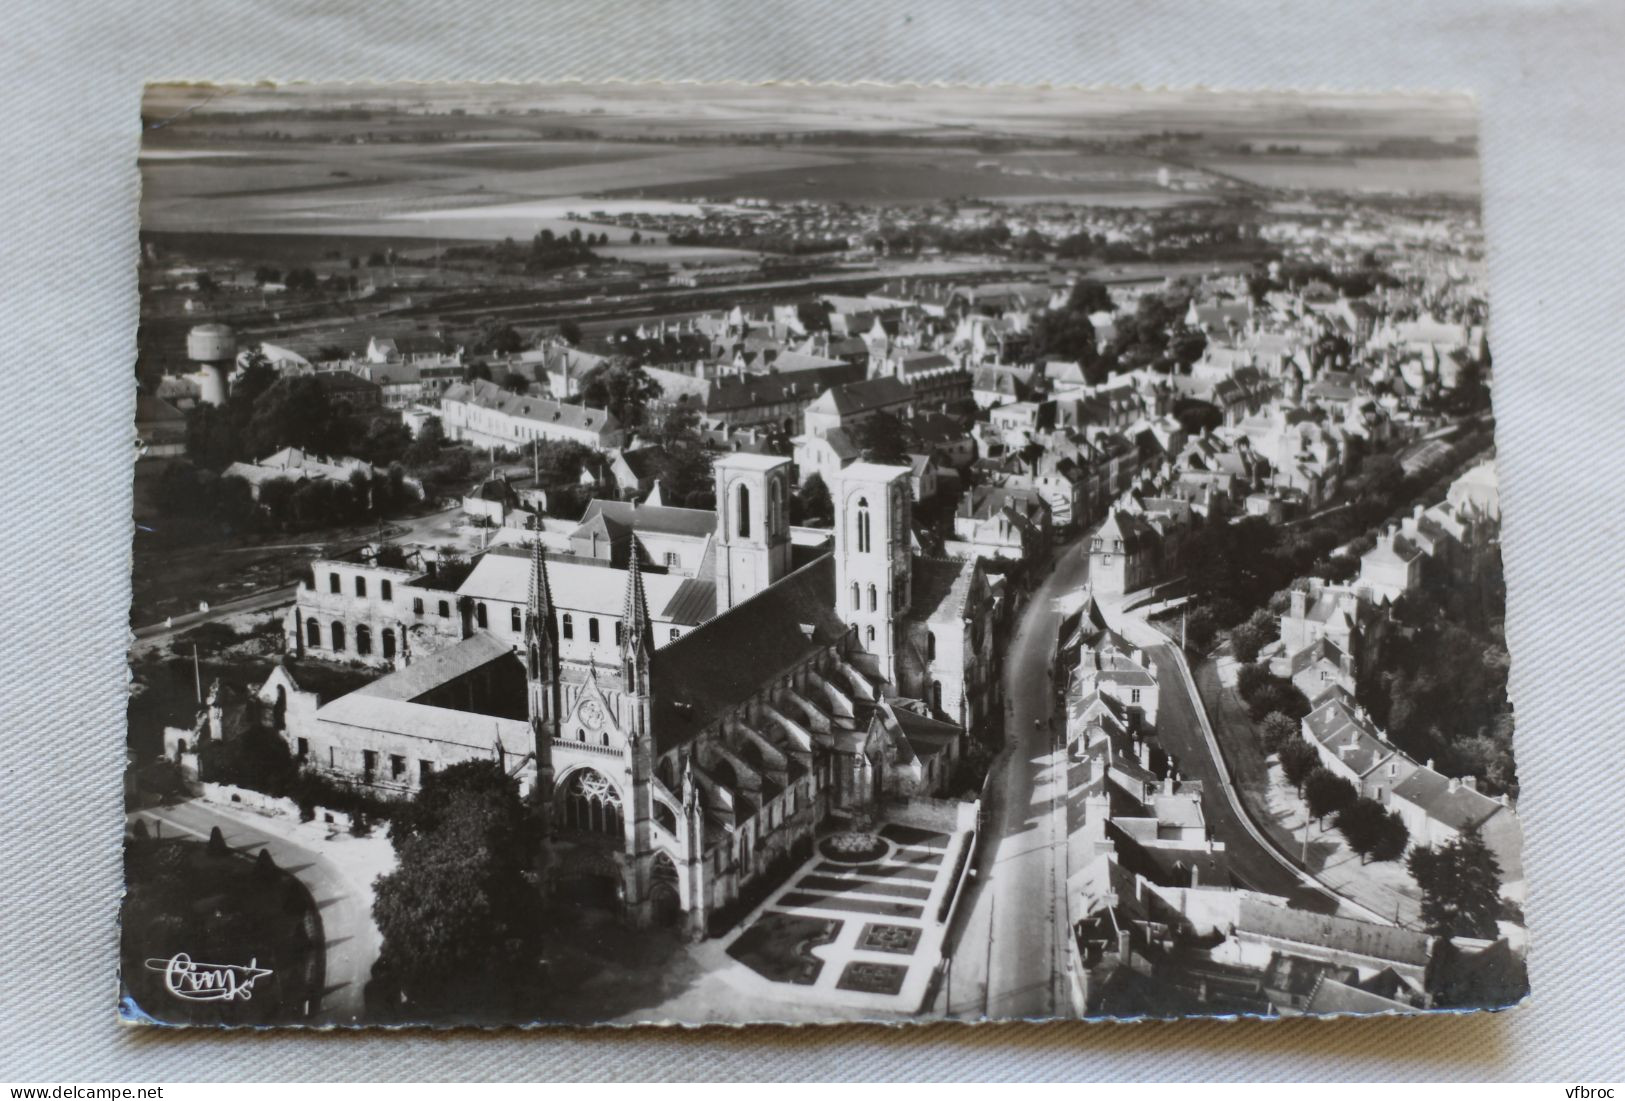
1447 175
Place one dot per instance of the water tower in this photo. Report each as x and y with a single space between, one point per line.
214 349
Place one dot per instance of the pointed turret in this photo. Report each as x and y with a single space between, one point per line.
541 595
637 638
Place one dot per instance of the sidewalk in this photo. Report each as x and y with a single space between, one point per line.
1383 887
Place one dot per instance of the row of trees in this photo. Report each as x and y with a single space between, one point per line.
188 492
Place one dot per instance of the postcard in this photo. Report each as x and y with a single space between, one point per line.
651 554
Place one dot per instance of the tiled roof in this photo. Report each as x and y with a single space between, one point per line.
1449 801
726 661
1384 942
488 395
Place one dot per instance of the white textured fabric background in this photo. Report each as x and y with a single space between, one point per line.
1550 86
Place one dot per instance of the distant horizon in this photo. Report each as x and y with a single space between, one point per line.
744 108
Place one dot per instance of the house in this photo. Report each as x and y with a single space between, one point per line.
295 465
853 403
1438 809
160 428
357 392
633 470
1351 747
1393 567
486 415
992 386
1478 491
824 455
1002 522
1323 610
1319 666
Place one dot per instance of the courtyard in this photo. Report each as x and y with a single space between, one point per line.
855 929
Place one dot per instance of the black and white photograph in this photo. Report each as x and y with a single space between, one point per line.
701 553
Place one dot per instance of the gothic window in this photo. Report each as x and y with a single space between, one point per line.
386 591
744 512
445 609
388 641
332 582
592 628
936 695
513 619
338 635
871 634
605 738
857 597
874 599
863 525
360 585
479 615
930 646
363 640
313 632
591 804
568 626
775 517
620 634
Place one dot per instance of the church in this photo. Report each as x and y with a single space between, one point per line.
688 718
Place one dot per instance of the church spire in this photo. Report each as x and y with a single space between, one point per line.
541 597
638 634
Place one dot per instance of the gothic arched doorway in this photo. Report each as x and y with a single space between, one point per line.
665 896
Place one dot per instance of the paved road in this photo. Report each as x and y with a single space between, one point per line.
347 927
1010 959
1252 864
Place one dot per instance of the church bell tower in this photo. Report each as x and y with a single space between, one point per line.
753 525
873 556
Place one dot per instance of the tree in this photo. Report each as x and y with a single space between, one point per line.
1461 886
1064 334
426 445
637 238
1090 296
1298 760
297 412
570 330
683 466
1327 793
211 440
1276 732
1245 642
458 918
814 500
560 462
1371 830
496 338
621 386
515 383
883 438
814 316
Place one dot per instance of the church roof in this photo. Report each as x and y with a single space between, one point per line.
728 659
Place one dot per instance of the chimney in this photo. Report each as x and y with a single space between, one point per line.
1193 876
1471 782
1430 764
1455 785
1299 603
1123 945
1168 784
1144 753
1138 657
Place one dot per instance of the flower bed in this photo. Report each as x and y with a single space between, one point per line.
853 847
